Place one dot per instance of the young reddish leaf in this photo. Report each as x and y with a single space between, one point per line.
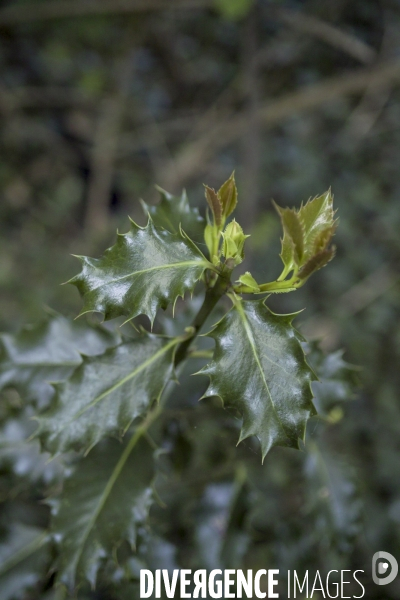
227 195
294 231
307 235
316 262
323 238
317 217
214 203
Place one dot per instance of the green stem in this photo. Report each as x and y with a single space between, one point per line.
290 285
210 300
278 285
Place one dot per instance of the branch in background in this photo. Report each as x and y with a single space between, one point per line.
44 11
371 105
366 114
327 33
353 301
42 97
251 140
105 147
201 151
308 24
226 130
271 53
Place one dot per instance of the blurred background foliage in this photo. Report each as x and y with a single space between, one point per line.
101 100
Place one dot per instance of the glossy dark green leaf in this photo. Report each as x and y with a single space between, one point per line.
106 393
148 268
22 457
337 379
23 561
333 497
47 352
104 500
173 212
221 539
259 368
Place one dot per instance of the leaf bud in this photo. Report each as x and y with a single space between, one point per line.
233 246
249 283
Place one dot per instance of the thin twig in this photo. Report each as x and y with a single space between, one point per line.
35 96
353 301
251 140
374 100
327 33
311 25
104 153
44 11
198 153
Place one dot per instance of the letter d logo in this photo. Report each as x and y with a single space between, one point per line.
382 567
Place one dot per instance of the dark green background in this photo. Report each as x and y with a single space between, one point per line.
297 97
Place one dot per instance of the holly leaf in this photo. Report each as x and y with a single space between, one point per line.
173 212
106 393
104 501
307 235
332 497
148 268
316 262
214 202
23 561
227 195
22 457
250 284
220 533
259 368
337 379
293 236
46 352
317 217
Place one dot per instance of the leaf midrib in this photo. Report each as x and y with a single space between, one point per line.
249 335
200 262
113 478
124 380
307 233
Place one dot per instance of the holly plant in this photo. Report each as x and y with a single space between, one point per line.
116 408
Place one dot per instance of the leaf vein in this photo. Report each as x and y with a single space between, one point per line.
254 350
124 380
